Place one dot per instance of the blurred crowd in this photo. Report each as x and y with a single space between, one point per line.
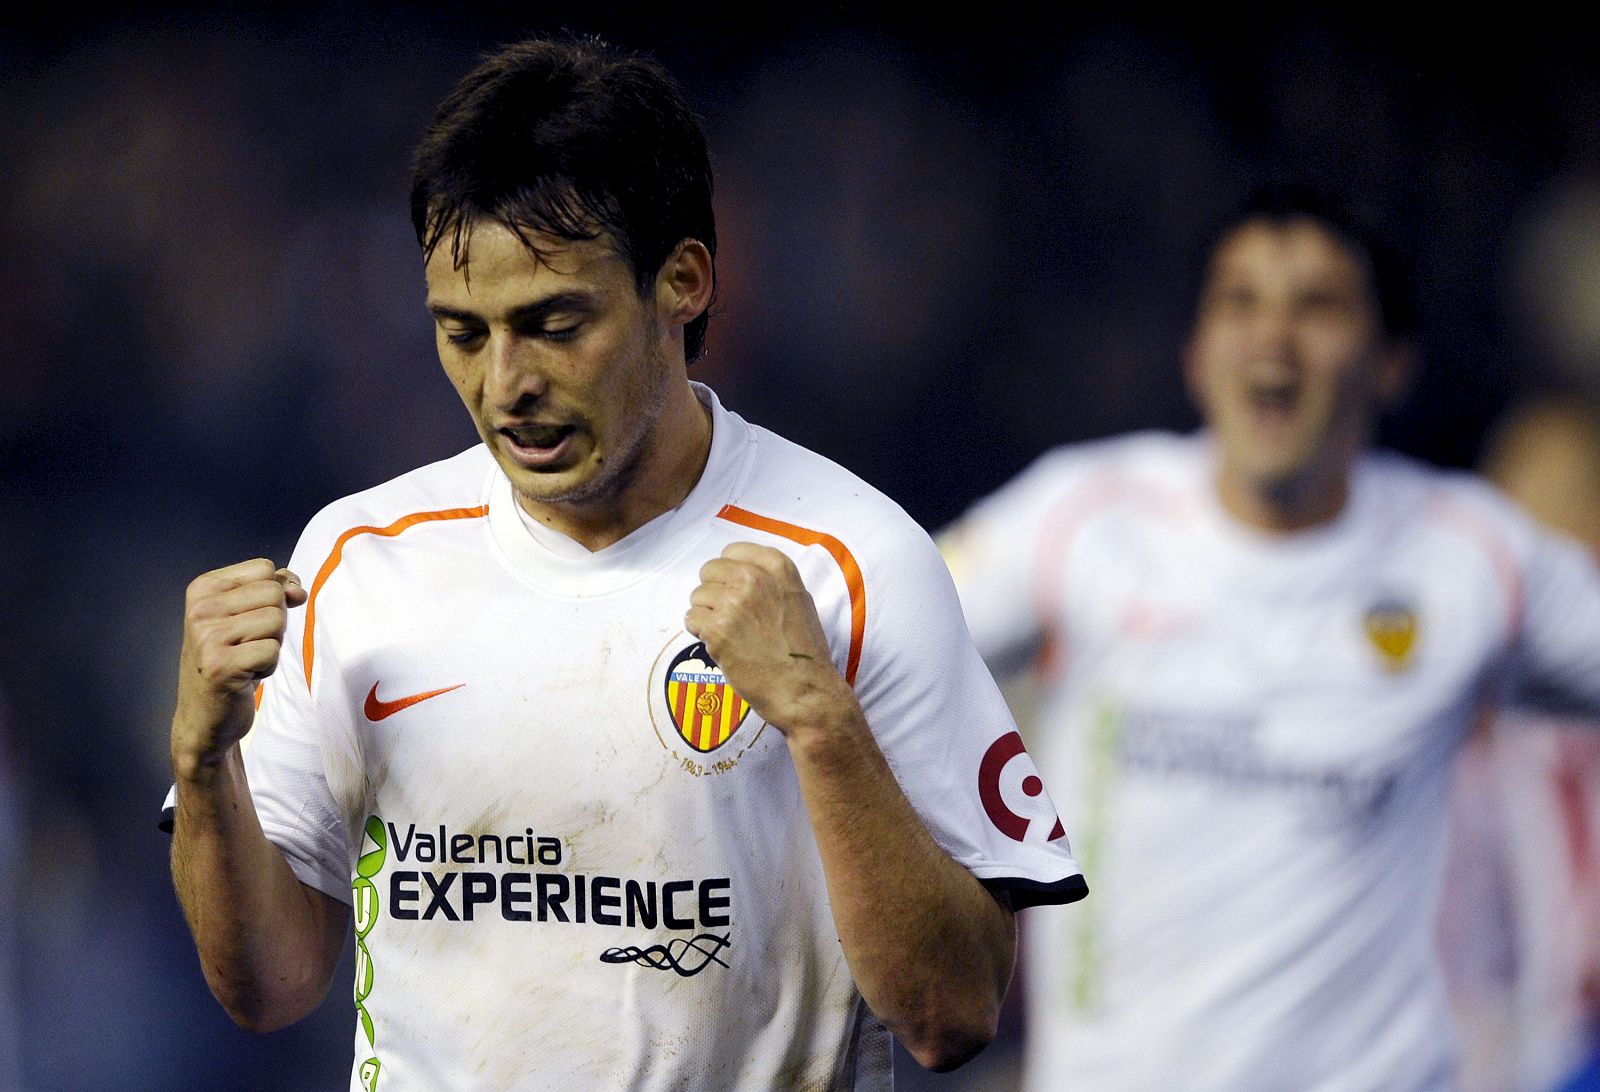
945 248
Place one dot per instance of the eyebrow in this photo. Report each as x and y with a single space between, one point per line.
528 312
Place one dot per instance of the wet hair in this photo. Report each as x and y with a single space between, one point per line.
1280 202
572 139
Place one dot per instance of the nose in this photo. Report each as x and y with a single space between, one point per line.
1274 333
512 374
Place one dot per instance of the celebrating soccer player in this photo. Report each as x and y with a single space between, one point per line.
647 749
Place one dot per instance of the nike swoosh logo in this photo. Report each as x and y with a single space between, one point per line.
377 709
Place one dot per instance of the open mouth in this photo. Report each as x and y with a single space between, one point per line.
1274 398
538 437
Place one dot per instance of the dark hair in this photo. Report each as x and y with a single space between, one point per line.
572 139
1281 201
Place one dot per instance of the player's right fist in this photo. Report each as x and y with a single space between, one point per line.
233 623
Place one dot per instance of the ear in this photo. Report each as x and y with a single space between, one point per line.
1395 372
685 283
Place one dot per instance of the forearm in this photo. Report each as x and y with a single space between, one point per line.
930 949
267 943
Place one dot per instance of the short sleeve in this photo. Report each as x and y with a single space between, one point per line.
947 734
285 761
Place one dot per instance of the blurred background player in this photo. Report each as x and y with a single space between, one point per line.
1259 647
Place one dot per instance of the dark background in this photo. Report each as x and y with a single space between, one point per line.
948 244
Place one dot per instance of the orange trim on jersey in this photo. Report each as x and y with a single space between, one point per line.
337 555
847 565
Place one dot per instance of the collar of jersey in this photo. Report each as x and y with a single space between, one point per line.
1263 555
554 563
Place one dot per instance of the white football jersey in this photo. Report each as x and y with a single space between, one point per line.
576 858
1251 736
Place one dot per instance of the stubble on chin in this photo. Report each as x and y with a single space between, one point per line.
617 468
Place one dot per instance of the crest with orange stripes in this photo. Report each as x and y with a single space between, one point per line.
704 708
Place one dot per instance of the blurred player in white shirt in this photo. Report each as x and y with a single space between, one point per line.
647 748
1259 648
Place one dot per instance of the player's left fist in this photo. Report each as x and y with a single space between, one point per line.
760 624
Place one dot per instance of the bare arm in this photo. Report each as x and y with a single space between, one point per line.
930 949
268 944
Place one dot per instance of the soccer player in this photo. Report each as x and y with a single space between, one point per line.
1261 646
647 748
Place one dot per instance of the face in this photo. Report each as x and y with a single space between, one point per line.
568 372
1289 361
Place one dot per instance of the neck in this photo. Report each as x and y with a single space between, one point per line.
660 475
1286 506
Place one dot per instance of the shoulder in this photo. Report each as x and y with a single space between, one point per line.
453 488
1449 517
1435 498
1076 481
806 497
886 581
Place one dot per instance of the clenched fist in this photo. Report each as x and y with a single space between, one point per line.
233 626
760 624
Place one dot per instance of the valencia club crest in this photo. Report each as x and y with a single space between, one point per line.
1391 626
697 716
701 703
703 707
